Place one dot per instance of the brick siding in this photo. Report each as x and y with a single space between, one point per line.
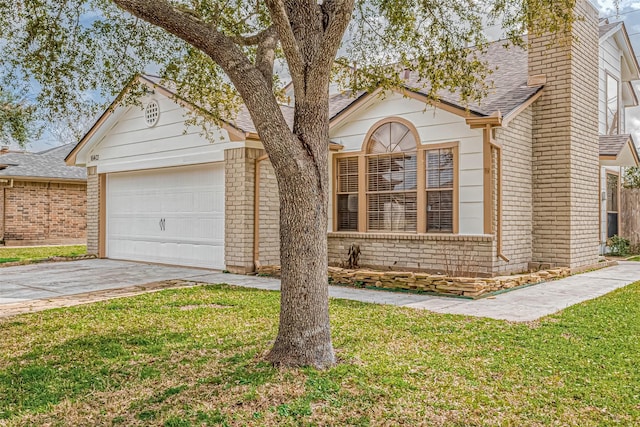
239 171
517 190
269 222
44 213
451 255
565 145
93 210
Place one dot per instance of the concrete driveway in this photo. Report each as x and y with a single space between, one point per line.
41 286
51 280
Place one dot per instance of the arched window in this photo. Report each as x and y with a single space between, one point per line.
391 176
397 184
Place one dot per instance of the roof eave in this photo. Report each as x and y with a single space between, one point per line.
44 179
507 118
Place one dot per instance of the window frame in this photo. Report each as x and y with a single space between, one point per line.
421 190
616 176
428 189
608 126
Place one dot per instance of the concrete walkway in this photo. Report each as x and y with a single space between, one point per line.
39 286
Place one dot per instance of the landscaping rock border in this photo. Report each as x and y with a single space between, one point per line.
470 287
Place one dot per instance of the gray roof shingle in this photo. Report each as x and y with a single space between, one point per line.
48 164
508 90
508 82
508 86
612 145
606 27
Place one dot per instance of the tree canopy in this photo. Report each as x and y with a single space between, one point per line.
71 48
17 120
222 52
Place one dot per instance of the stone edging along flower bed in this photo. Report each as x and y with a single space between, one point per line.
470 287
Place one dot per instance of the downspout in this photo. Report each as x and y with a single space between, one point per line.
498 149
256 212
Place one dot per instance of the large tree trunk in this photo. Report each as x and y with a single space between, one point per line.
304 335
310 33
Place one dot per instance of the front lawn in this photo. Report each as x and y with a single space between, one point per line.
194 357
31 253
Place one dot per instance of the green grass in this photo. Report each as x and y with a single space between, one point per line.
635 258
145 361
29 253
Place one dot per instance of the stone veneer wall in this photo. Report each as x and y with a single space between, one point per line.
565 145
239 172
44 213
446 254
517 190
269 222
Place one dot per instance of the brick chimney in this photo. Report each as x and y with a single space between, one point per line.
565 144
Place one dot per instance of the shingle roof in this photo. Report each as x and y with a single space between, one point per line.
612 145
243 119
46 164
508 82
606 27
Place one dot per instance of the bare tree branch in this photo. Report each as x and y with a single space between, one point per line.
248 79
266 54
287 38
253 39
338 15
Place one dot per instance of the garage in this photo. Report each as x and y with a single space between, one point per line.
171 215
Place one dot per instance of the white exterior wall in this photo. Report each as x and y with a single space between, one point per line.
434 126
609 62
131 145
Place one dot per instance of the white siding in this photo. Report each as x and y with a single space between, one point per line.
434 126
131 145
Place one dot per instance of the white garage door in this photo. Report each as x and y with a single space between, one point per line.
170 216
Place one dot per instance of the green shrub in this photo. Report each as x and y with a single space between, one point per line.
618 246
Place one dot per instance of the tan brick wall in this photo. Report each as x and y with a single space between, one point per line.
269 221
565 145
44 213
2 198
239 208
452 255
517 192
93 207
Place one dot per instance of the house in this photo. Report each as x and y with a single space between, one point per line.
501 186
618 68
42 200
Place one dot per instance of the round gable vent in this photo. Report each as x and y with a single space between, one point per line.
152 113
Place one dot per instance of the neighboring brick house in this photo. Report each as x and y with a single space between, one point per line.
489 188
42 200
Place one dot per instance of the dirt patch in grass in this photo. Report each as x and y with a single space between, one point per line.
197 306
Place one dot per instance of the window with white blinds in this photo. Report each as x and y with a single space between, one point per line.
440 190
347 194
396 184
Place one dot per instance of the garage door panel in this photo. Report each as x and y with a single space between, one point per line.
173 216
